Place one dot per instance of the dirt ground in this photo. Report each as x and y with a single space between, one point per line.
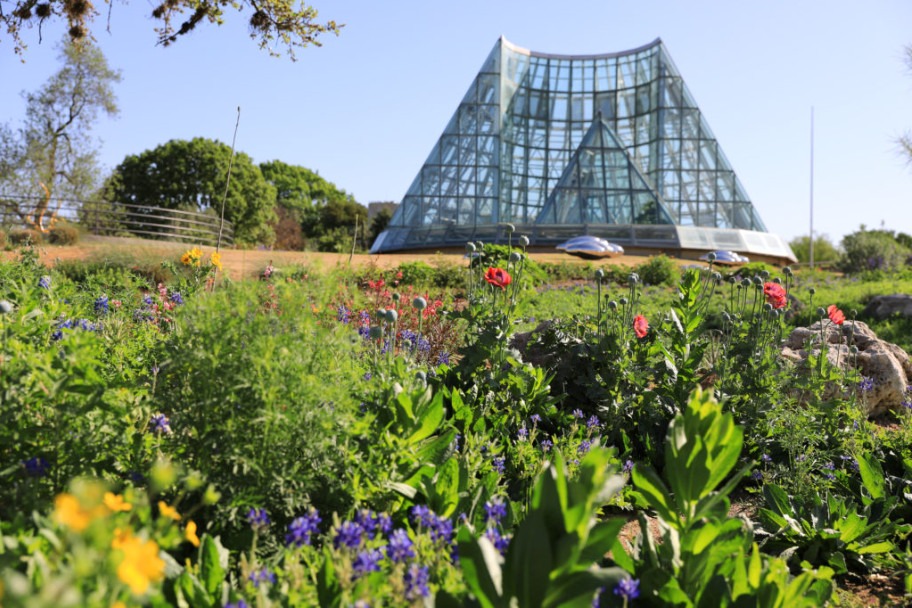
244 263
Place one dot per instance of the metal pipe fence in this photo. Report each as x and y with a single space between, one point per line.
117 219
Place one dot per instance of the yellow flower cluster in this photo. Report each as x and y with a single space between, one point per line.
192 257
215 258
137 560
141 564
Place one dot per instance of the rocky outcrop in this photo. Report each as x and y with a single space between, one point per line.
886 365
882 307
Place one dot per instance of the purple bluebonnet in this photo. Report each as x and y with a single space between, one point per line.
593 422
851 462
343 314
629 589
400 547
455 444
416 582
263 575
500 541
443 358
101 304
757 475
177 298
584 446
546 445
86 325
628 466
160 424
384 523
442 530
366 561
866 384
44 282
827 468
369 522
238 604
500 465
258 518
36 466
368 375
495 509
423 516
766 459
302 528
350 534
578 413
535 418
522 433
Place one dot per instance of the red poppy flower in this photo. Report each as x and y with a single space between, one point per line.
640 326
775 295
836 315
498 277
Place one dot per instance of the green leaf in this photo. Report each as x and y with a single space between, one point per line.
871 476
881 547
447 488
653 490
212 565
429 419
480 564
529 561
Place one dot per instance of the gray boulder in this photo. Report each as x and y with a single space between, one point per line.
882 307
887 365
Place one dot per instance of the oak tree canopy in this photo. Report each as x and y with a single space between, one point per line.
275 25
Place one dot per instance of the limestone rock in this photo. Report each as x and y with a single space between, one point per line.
887 365
882 307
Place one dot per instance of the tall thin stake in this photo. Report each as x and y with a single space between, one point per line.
811 241
218 243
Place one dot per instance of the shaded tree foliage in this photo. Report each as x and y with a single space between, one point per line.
865 250
824 249
191 175
326 214
272 23
53 154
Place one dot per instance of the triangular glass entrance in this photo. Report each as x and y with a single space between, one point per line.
602 185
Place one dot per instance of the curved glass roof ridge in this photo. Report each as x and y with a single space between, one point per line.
505 153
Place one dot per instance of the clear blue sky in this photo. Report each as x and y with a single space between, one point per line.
366 108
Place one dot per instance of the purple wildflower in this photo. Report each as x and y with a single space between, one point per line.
522 433
36 466
416 582
301 529
177 298
44 282
257 518
578 413
400 547
366 561
500 465
629 589
500 541
546 445
866 385
584 446
263 575
160 424
101 304
593 422
348 535
495 509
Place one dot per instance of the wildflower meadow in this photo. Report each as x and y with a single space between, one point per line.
503 433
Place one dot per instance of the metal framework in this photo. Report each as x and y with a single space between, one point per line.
611 145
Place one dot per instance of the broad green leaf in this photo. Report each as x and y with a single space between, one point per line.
429 420
212 565
447 487
881 547
871 476
529 562
480 564
653 490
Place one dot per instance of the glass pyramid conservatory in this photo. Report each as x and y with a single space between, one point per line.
559 146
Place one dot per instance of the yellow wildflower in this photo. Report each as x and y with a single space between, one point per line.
192 257
216 259
115 502
167 511
70 512
190 533
118 604
141 564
